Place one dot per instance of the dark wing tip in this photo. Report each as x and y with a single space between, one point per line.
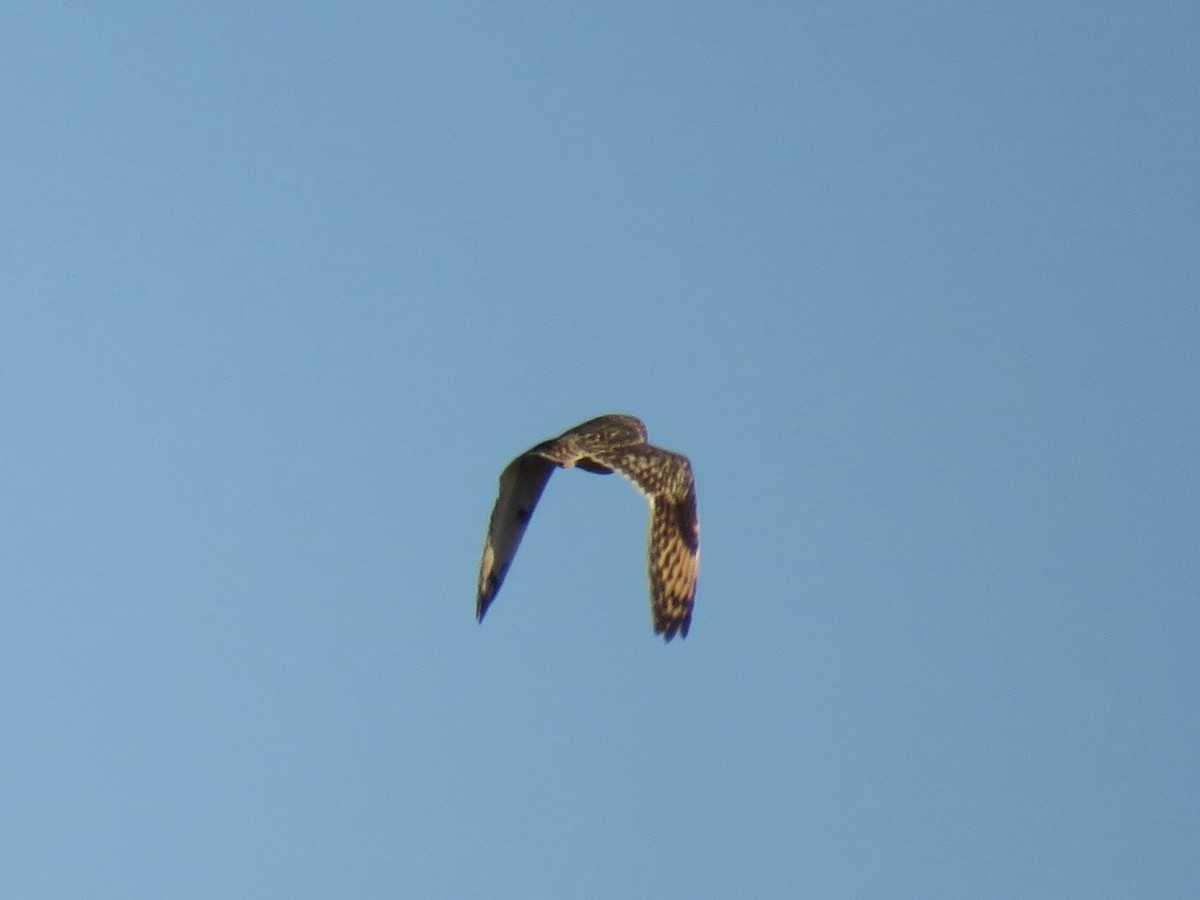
488 588
668 628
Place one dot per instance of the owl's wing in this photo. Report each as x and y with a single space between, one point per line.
665 478
674 561
521 485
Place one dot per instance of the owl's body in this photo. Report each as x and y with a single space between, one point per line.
614 443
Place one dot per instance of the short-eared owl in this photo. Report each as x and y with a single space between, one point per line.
604 445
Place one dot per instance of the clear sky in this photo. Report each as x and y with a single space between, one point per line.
283 287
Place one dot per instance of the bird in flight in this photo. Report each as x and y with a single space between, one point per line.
607 444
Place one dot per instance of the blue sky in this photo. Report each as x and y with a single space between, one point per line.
282 290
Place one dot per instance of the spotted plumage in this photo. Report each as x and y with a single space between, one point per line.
604 445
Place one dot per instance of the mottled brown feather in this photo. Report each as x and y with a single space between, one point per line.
614 443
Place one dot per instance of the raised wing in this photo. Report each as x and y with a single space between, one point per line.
521 486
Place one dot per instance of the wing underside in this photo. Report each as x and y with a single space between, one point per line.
521 486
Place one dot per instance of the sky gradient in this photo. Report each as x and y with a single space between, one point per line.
915 288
